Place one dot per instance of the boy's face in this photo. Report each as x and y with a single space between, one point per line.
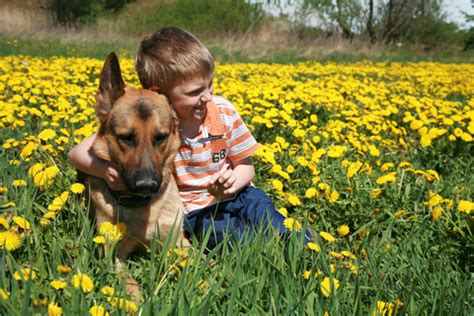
190 98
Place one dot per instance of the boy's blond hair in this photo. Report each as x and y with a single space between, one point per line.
171 56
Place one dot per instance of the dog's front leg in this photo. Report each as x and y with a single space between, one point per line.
125 247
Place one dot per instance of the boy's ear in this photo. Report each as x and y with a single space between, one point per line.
111 86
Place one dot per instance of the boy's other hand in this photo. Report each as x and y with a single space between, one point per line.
112 177
221 185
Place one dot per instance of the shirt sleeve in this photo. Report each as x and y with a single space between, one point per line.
242 142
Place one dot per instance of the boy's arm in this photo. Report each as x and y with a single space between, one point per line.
230 181
83 158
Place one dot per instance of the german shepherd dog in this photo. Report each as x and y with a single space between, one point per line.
139 134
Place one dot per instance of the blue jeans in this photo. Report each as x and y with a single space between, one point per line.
239 218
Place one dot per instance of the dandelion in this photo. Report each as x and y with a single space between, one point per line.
314 246
292 224
37 167
436 213
3 190
375 193
293 199
54 309
4 222
47 134
336 151
310 193
83 281
329 286
22 222
19 183
64 269
108 291
388 178
343 230
24 274
77 188
327 236
9 240
384 308
58 284
466 206
4 294
283 211
110 231
98 310
435 199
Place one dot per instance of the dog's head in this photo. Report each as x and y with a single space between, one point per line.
138 131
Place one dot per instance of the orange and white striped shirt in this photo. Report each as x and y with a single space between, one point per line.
223 139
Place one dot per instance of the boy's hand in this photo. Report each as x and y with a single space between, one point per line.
112 177
221 185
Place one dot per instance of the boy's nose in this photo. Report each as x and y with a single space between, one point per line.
206 96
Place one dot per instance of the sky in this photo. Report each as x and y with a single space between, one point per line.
453 8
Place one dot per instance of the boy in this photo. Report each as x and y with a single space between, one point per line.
213 168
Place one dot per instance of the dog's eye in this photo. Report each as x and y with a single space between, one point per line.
160 138
128 139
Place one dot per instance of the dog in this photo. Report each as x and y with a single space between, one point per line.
138 133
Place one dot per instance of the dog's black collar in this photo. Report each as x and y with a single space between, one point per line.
131 201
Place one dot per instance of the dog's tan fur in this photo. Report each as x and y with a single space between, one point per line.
148 117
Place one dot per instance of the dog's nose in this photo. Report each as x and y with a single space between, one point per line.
147 185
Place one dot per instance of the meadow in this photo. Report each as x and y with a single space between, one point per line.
375 158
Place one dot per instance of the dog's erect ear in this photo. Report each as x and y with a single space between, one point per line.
111 86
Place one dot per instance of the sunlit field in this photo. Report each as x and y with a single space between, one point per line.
376 159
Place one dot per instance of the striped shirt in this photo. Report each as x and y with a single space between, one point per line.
223 139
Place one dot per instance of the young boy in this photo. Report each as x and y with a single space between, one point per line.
213 168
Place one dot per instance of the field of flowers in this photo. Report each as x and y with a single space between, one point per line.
375 158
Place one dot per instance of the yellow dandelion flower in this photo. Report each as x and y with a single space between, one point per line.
405 164
386 166
22 222
431 175
77 188
336 255
47 134
466 206
64 269
28 150
19 183
24 274
400 213
388 178
348 254
336 151
343 230
44 222
58 284
4 222
375 193
83 281
10 240
3 190
436 213
283 211
327 236
307 274
98 310
45 178
329 286
293 199
110 231
353 168
292 224
108 290
435 199
99 240
8 204
310 193
33 170
54 309
314 246
383 309
121 303
4 294
334 197
351 266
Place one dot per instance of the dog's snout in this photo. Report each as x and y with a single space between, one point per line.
147 182
147 185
